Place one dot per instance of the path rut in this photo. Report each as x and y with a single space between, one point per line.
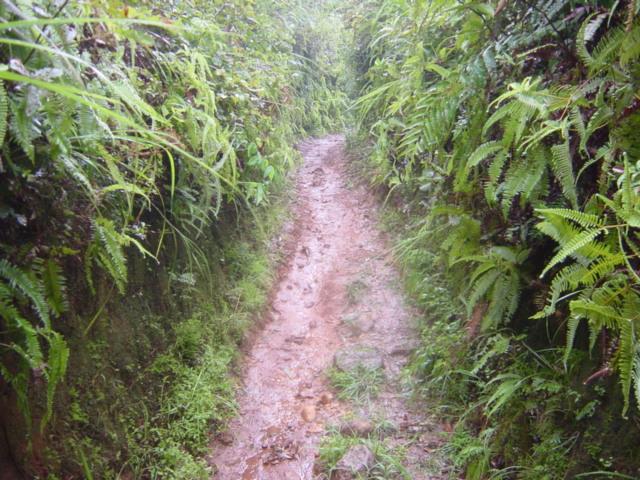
339 268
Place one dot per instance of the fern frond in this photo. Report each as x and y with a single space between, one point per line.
585 34
562 167
29 287
482 286
4 112
30 350
586 220
567 278
57 360
625 360
55 287
572 246
572 326
107 249
482 152
522 178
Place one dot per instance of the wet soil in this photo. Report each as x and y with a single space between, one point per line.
338 289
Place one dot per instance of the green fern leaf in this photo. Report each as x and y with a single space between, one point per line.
4 112
57 360
571 247
572 326
586 220
28 286
110 252
562 167
482 152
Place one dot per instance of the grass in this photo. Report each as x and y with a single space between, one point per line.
388 460
360 385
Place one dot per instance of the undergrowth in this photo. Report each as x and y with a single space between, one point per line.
387 464
141 144
501 134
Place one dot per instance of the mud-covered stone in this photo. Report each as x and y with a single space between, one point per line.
358 427
357 324
358 460
350 358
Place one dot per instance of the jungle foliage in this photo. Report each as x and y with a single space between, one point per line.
510 130
137 139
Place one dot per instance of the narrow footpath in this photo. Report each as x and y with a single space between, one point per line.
338 304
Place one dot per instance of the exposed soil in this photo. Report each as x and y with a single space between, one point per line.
339 289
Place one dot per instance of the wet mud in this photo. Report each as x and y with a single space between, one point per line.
339 272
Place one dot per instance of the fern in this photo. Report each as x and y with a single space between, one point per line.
586 220
30 350
572 246
28 286
107 249
57 360
4 112
572 326
522 178
562 167
625 360
55 287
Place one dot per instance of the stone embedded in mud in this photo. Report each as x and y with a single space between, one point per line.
357 323
358 427
349 359
404 349
326 398
225 438
308 413
356 462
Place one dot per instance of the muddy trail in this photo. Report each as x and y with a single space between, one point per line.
338 304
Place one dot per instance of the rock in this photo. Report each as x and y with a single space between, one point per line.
359 427
297 339
350 358
357 461
306 393
405 348
326 398
225 438
357 324
308 413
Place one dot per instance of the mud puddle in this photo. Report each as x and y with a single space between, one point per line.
339 290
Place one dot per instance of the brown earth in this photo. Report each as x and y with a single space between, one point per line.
339 289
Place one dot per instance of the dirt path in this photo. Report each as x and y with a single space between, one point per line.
339 290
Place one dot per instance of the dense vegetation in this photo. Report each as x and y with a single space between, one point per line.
508 133
140 146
